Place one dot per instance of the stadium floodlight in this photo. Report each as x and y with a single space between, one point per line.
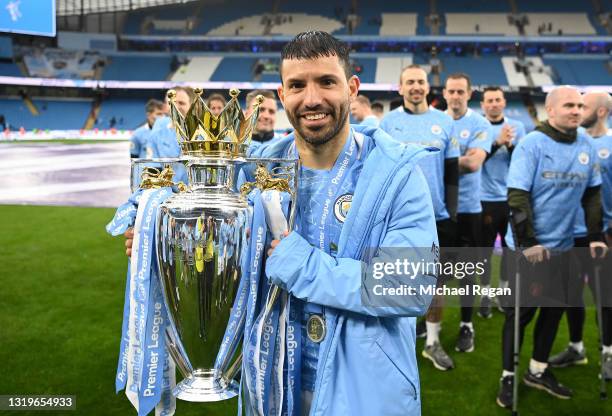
28 17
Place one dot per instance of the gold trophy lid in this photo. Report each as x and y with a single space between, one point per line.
202 134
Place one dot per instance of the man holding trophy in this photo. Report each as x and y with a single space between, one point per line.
324 346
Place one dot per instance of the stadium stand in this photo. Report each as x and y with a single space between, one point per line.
121 113
52 114
137 68
9 69
59 63
388 68
398 24
580 69
479 23
559 24
483 70
199 68
281 24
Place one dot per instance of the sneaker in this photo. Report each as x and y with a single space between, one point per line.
505 396
546 381
607 366
436 354
421 329
498 304
567 358
465 342
484 311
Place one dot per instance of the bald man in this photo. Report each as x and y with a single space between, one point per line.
552 172
597 107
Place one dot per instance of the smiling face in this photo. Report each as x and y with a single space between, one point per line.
316 95
457 93
564 108
267 116
414 86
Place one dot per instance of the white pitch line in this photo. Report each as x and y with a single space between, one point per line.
13 194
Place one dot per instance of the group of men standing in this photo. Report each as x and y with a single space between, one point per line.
156 138
482 173
541 192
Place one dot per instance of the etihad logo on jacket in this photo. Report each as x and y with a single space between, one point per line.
569 176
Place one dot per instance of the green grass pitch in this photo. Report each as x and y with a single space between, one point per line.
61 302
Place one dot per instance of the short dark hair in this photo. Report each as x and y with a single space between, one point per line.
316 44
215 97
362 99
378 106
491 89
460 75
265 93
412 66
153 105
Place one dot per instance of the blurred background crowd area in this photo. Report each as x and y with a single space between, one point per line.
110 57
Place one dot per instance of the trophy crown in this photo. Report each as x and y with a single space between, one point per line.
203 134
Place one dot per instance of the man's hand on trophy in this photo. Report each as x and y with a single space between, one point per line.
129 240
276 243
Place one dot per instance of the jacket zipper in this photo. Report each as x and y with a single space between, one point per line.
359 251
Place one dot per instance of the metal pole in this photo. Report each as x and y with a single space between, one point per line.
603 394
517 343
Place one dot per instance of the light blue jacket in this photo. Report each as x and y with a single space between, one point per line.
367 361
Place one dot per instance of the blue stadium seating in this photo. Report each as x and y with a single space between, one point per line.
134 68
368 69
54 114
486 70
128 113
209 16
576 71
9 69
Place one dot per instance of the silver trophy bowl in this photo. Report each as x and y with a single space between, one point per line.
200 240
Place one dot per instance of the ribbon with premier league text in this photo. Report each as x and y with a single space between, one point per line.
272 341
145 368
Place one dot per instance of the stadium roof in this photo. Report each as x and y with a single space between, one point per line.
72 7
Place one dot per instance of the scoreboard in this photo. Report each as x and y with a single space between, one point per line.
33 17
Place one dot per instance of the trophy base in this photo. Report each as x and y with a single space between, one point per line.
204 387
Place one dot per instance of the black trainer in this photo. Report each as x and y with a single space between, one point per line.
505 396
465 341
546 381
484 311
568 357
421 329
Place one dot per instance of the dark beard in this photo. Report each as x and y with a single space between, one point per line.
320 141
587 123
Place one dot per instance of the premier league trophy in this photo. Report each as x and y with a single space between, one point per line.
202 237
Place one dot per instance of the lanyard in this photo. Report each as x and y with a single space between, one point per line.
346 159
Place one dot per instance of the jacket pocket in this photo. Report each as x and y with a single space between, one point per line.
395 370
